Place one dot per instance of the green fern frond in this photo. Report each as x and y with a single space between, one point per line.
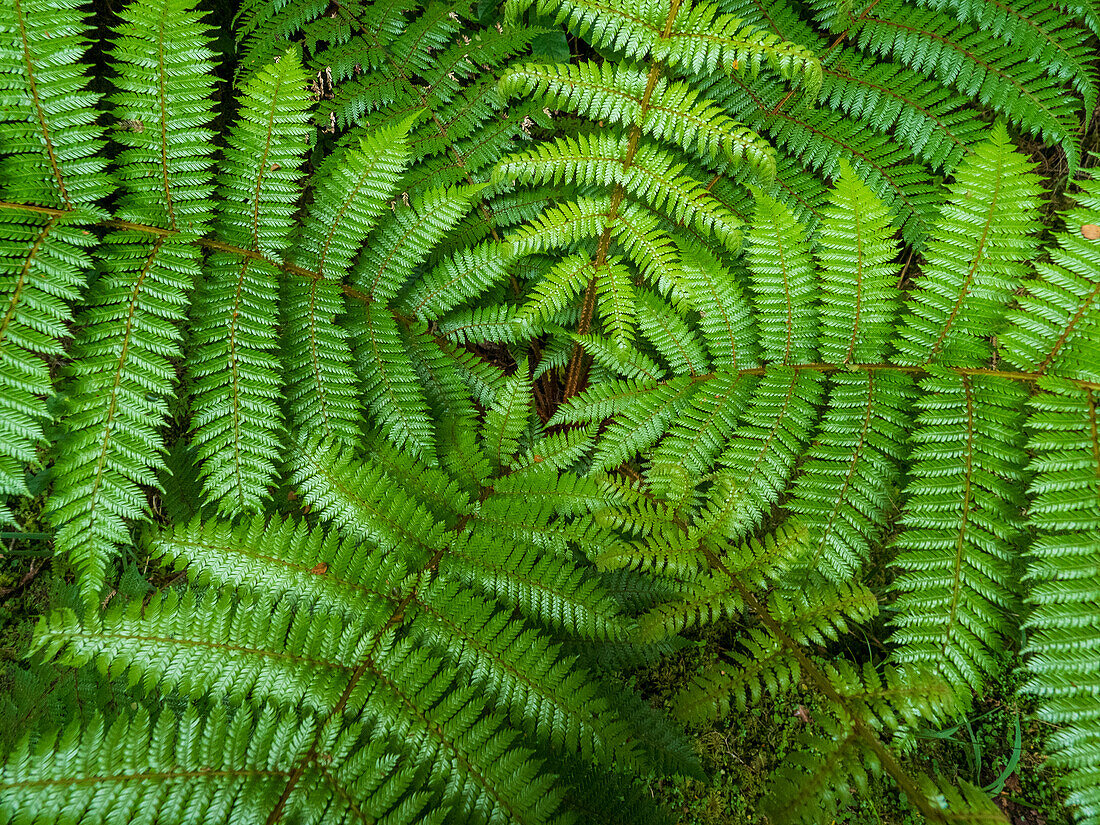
784 284
759 460
121 370
51 143
673 112
233 361
999 75
353 189
508 418
854 253
49 159
961 522
1040 31
502 560
364 501
974 258
1054 330
725 319
707 599
817 138
619 361
700 433
643 421
207 756
1063 583
760 667
821 612
674 341
653 176
456 280
845 491
519 668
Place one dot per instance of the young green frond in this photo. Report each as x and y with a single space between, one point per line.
724 316
759 460
654 176
673 112
353 189
508 418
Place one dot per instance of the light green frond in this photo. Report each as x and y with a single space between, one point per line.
353 188
854 252
508 418
643 421
232 361
822 611
699 433
673 339
845 492
402 242
40 278
559 226
545 588
558 286
617 301
707 599
522 672
759 460
973 262
1063 583
127 331
654 176
674 112
557 450
725 317
761 666
150 769
961 521
364 501
625 362
1056 328
645 241
50 155
234 648
784 284
280 557
457 279
391 392
1000 75
699 39
162 109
